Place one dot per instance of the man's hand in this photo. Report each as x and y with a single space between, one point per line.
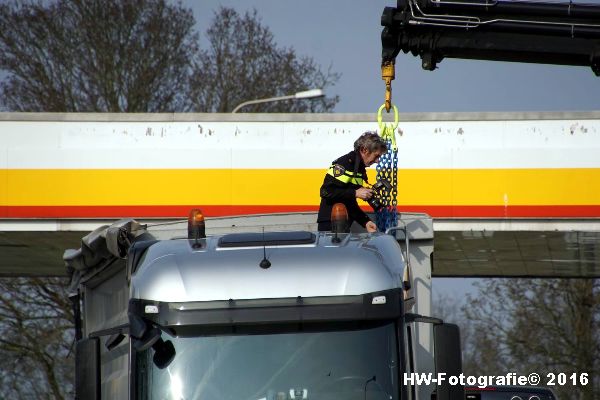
371 227
364 193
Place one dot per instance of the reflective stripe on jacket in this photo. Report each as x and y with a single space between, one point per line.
344 176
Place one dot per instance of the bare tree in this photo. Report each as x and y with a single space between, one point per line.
243 63
143 56
539 325
36 338
95 55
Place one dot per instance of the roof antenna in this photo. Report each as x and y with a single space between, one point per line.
264 264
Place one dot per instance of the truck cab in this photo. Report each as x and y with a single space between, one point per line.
274 315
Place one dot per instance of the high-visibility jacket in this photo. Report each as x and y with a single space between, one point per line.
344 176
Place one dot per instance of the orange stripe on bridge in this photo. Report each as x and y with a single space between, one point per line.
181 211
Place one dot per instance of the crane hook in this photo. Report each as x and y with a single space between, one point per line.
388 75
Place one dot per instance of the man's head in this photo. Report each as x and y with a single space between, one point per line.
370 146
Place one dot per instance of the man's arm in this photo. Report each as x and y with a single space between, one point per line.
357 214
336 191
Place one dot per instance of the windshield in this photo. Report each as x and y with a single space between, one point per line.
357 364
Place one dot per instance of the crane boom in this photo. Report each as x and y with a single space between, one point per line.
497 30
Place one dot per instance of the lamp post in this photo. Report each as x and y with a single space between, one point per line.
307 94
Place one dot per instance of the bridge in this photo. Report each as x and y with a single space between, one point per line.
511 194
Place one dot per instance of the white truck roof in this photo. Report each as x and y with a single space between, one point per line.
227 267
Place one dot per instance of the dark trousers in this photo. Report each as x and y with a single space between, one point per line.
324 226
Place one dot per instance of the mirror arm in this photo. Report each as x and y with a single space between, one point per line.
409 317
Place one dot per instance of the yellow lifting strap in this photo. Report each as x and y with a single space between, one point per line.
387 130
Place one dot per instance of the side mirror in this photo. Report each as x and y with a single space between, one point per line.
164 353
448 359
151 336
87 374
144 335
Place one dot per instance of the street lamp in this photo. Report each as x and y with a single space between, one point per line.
307 94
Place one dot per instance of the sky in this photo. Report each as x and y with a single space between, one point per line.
346 35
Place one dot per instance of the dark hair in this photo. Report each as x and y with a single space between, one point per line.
371 142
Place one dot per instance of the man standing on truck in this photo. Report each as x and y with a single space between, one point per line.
344 179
